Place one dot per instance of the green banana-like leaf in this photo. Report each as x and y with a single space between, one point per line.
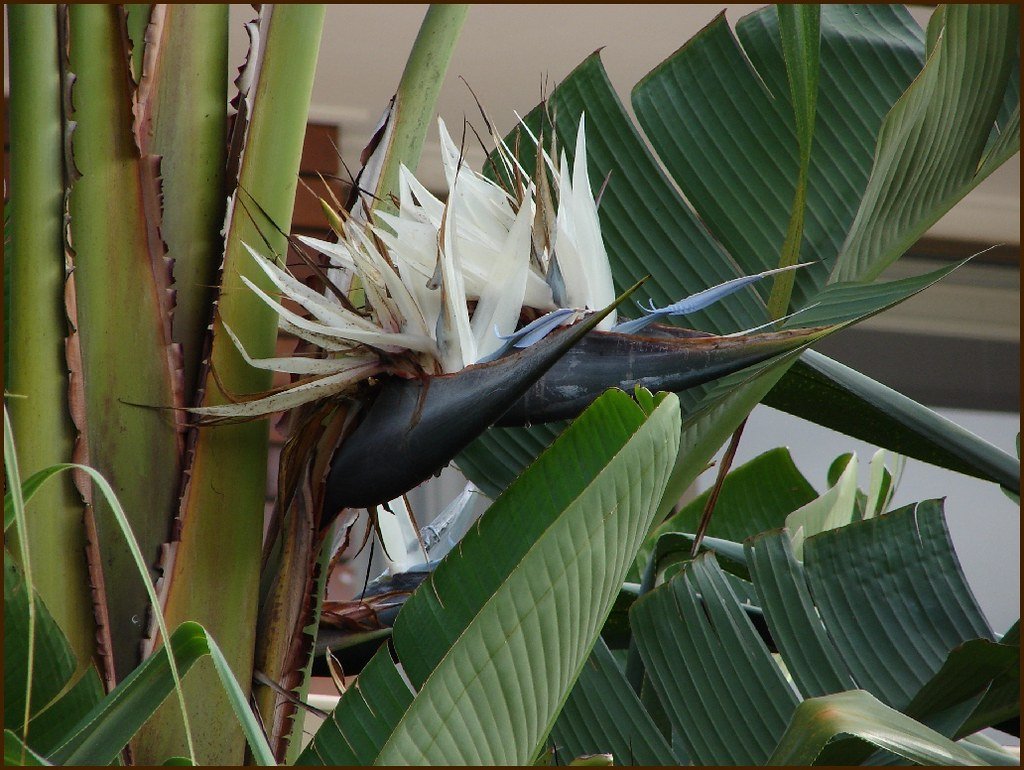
493 656
604 715
746 505
736 160
930 659
728 669
950 109
857 713
1001 704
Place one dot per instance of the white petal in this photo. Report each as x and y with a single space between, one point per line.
386 341
326 309
400 538
291 398
301 365
579 247
502 299
454 336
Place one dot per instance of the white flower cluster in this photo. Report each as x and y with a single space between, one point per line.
442 284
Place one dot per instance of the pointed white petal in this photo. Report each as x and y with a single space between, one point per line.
454 337
299 365
502 299
291 398
386 341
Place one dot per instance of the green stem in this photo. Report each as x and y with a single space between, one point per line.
38 323
416 98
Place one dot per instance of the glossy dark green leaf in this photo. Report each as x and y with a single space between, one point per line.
604 715
736 160
734 675
857 713
746 505
893 649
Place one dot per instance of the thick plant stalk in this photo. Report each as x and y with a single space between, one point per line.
180 117
125 363
417 94
214 576
37 374
41 424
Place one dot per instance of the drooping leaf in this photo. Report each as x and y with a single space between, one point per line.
603 714
828 393
857 713
913 557
930 651
728 669
464 643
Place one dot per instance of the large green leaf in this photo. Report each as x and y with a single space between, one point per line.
496 637
736 161
746 505
604 715
857 713
904 554
706 662
881 605
950 109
